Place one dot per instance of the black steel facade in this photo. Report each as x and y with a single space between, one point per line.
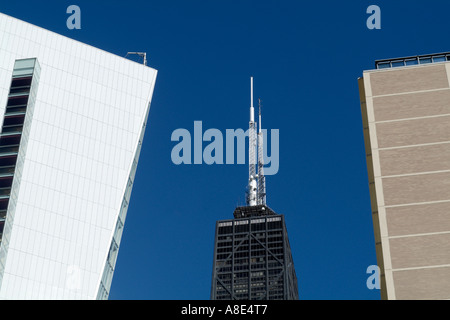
252 257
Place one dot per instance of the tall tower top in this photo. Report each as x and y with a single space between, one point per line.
252 162
256 190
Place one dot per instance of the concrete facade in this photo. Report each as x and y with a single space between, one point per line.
406 120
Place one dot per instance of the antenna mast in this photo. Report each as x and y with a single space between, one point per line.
261 177
143 55
252 177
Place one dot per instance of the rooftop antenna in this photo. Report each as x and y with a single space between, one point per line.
261 177
252 177
143 55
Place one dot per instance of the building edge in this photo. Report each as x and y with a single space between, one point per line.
104 284
372 191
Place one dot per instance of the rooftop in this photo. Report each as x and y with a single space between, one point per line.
253 211
412 60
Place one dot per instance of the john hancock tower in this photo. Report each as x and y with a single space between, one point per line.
252 255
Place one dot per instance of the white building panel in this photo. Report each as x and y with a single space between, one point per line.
88 116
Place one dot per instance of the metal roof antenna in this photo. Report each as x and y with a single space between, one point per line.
252 176
261 177
143 55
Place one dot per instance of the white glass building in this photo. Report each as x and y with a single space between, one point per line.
73 120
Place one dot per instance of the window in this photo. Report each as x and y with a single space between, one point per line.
410 62
439 59
384 65
398 63
425 60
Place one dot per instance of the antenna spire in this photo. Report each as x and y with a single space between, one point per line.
256 190
252 176
261 177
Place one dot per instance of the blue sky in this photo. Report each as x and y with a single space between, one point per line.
305 57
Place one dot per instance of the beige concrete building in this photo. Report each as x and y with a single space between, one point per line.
405 106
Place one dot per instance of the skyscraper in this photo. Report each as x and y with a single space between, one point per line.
73 122
405 105
252 255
